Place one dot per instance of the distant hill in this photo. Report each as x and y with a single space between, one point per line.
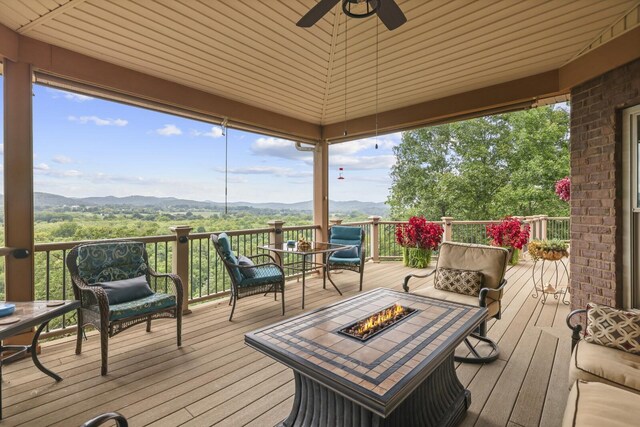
48 200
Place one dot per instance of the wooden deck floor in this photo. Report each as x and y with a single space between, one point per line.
215 379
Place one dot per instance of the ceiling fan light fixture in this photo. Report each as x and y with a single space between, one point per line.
369 7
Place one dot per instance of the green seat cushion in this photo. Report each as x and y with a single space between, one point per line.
347 261
149 304
263 274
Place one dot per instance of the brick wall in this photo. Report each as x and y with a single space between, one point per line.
596 184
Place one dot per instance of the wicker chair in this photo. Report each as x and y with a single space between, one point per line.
249 279
100 262
346 235
491 262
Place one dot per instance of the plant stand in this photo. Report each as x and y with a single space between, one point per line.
556 273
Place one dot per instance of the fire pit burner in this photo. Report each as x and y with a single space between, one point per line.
366 328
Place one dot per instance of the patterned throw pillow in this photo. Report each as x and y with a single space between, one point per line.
613 328
465 282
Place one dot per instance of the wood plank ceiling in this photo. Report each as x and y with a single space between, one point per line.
251 50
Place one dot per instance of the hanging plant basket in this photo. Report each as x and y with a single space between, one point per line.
553 255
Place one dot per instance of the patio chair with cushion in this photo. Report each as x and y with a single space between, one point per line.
470 274
248 278
348 259
112 280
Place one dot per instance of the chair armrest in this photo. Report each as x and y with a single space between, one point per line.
577 329
405 285
91 295
494 294
246 267
120 420
175 279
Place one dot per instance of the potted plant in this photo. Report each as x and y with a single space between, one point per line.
551 250
418 238
512 234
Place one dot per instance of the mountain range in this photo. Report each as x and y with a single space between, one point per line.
48 200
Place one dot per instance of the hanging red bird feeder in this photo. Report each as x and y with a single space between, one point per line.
340 170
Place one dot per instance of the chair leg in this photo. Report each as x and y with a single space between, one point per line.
104 349
149 324
282 300
476 357
232 308
179 326
79 332
361 274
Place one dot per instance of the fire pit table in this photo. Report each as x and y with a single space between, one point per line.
398 374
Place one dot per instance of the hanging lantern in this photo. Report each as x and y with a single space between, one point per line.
340 170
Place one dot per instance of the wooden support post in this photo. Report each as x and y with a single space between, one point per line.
18 186
543 226
276 236
321 191
448 228
530 221
180 261
321 194
375 238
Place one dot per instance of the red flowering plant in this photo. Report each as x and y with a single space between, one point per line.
419 233
418 239
511 233
563 189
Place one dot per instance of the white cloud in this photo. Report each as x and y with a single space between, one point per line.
385 161
386 142
41 167
62 159
1 148
77 97
98 121
71 96
72 173
215 132
169 130
281 148
267 170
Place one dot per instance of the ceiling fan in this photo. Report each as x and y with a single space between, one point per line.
388 11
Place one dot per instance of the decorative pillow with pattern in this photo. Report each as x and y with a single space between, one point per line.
465 282
613 328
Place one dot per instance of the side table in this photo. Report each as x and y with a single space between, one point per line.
558 279
28 315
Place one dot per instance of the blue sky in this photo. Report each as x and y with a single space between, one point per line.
90 147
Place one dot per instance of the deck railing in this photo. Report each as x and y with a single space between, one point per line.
207 277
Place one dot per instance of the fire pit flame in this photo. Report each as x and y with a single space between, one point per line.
370 326
365 326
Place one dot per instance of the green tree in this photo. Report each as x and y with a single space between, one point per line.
483 168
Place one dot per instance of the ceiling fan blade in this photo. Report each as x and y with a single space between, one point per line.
317 12
390 14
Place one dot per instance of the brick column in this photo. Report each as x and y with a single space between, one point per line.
596 184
